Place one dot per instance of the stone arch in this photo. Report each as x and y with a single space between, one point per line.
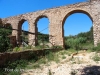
20 30
37 19
72 12
77 11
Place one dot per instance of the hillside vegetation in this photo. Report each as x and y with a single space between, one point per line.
83 40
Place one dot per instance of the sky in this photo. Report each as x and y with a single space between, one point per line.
74 24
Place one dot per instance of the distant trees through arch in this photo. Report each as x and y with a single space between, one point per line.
42 24
78 27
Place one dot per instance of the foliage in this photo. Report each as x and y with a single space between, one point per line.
4 40
96 48
28 47
16 49
96 57
49 55
43 37
75 43
56 47
88 35
63 57
18 64
14 73
33 56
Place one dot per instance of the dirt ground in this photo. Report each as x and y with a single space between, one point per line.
76 64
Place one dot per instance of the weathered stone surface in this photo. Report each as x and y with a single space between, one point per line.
56 18
29 54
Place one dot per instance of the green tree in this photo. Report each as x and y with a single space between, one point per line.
88 35
4 39
75 43
79 40
43 37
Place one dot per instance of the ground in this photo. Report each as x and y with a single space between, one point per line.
83 63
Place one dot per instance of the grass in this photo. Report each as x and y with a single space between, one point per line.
14 68
63 57
50 56
96 57
14 73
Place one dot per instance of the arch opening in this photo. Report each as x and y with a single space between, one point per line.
42 28
23 28
77 25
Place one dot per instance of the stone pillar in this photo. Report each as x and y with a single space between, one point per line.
95 11
33 36
13 41
96 30
56 34
15 31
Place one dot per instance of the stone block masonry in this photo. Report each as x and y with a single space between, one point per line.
57 17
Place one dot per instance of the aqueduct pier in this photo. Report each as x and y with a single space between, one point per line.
57 17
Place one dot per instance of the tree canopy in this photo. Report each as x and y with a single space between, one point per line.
4 39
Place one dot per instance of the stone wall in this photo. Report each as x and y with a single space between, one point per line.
57 17
30 54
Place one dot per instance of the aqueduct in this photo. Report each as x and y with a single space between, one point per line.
56 18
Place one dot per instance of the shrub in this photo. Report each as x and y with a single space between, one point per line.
15 67
96 57
4 40
50 56
16 49
33 56
14 73
96 48
75 43
18 63
29 47
56 47
63 57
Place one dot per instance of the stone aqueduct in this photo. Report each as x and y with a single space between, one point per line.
56 18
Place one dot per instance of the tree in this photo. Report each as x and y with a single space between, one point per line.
4 40
77 41
88 35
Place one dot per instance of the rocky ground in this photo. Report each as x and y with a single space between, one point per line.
82 63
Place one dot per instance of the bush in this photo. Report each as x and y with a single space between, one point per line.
96 57
4 40
14 67
56 47
17 64
96 48
14 73
75 43
49 55
33 56
16 49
